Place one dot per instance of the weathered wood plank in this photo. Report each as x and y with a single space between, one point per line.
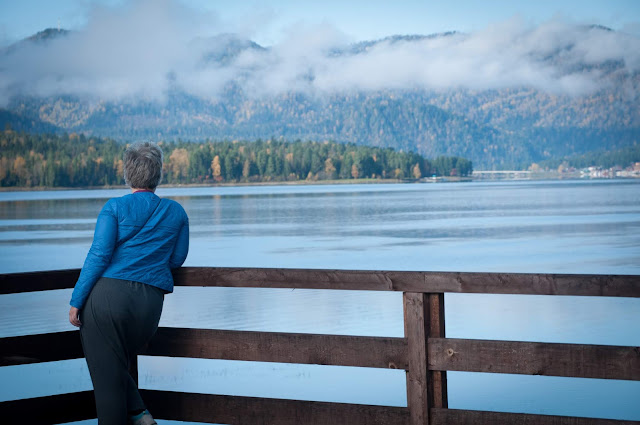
416 328
260 411
295 278
40 348
378 352
474 417
437 380
535 358
427 282
534 284
11 283
56 409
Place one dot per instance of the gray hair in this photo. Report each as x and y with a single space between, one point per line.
143 165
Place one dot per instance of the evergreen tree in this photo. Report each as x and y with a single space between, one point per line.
72 160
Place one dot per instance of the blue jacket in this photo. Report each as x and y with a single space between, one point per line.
138 237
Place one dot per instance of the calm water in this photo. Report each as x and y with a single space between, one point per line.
557 226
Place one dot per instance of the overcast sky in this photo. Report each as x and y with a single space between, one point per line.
269 21
139 49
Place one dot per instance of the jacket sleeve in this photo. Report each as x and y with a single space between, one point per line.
99 256
181 249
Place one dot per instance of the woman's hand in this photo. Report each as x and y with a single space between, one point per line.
74 317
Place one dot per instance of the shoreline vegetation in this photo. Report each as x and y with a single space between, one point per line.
427 180
40 162
188 185
241 184
74 160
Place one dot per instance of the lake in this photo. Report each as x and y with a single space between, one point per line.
508 226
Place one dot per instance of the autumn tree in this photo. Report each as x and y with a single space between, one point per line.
216 168
417 174
246 169
179 164
329 169
355 171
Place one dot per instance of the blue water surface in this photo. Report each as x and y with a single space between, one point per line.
524 226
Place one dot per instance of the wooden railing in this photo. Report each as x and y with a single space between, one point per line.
424 352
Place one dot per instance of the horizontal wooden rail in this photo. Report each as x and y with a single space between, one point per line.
424 282
338 350
55 409
12 283
444 354
535 358
236 410
475 417
207 408
39 348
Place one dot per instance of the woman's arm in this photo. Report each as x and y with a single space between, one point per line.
182 247
98 258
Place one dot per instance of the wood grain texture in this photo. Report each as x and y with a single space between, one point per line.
56 409
235 410
474 417
534 358
437 380
424 352
416 328
296 278
377 352
39 348
426 282
534 284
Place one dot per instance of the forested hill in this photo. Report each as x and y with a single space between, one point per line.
77 161
625 157
518 103
485 127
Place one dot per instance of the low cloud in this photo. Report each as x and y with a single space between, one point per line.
144 49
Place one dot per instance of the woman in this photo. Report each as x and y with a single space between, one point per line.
118 298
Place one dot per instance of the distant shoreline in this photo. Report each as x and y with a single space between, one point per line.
239 184
426 180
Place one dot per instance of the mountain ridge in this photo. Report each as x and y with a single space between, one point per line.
495 128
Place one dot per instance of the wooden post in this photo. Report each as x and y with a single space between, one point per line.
423 318
416 314
437 380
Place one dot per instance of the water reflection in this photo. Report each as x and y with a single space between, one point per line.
551 227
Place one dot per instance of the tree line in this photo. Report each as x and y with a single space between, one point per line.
623 157
75 160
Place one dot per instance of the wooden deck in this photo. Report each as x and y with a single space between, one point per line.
424 352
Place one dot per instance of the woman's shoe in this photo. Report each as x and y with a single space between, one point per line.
143 418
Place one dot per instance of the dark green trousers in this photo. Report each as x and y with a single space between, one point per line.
118 320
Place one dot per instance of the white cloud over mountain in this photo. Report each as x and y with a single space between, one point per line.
142 49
